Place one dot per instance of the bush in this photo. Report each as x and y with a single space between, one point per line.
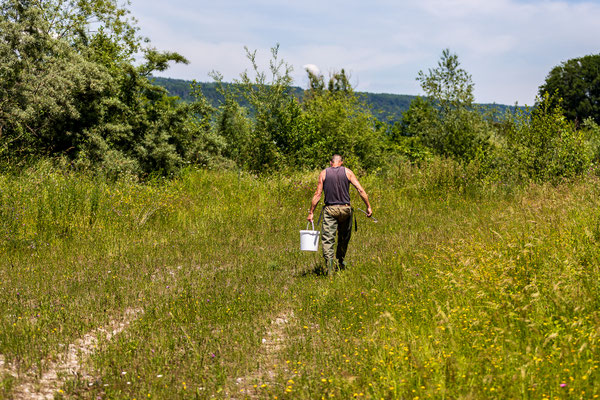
591 132
542 145
336 122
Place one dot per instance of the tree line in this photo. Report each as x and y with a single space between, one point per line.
384 106
70 87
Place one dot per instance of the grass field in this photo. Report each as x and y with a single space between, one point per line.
196 288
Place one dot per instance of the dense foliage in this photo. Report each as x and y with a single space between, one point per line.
267 126
577 83
543 145
70 87
278 130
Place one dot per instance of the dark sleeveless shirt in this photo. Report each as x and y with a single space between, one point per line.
336 186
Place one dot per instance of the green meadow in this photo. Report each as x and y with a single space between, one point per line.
195 287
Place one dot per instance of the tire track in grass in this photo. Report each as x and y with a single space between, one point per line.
69 364
252 385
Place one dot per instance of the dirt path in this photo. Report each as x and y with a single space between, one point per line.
69 364
250 386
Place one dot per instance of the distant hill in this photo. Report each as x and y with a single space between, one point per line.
385 106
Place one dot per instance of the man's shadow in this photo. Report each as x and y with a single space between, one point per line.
316 269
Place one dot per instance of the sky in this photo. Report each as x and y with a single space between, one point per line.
507 46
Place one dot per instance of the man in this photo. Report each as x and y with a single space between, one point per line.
337 214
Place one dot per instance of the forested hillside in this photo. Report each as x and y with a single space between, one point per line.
385 106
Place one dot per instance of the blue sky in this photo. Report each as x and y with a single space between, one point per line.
507 46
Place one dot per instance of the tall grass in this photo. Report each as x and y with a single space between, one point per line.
462 290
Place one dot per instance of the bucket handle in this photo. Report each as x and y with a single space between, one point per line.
313 225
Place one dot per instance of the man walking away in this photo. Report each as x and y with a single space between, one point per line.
337 214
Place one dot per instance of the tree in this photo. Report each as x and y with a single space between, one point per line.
419 114
69 87
577 83
337 121
449 124
233 124
448 85
274 137
41 78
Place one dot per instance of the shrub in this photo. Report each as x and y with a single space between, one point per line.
543 145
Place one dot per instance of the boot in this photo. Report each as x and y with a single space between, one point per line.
330 267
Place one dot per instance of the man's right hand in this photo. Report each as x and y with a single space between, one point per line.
310 216
369 212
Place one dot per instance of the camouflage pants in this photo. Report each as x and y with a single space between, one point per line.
336 219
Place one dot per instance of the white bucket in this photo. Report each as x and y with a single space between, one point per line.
309 240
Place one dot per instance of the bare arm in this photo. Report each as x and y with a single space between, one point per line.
361 192
317 196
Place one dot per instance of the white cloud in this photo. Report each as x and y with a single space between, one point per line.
312 68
